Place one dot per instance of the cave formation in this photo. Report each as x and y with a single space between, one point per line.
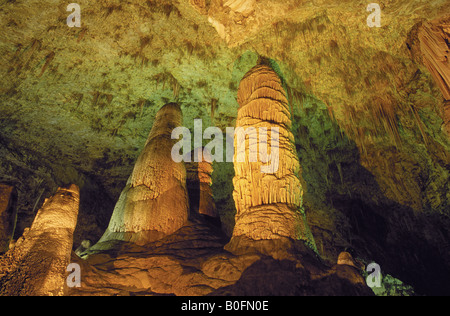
198 182
268 204
154 202
36 265
362 118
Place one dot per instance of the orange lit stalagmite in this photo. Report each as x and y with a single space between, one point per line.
198 181
154 202
268 204
37 264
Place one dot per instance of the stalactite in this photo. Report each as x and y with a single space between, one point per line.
154 202
37 264
269 205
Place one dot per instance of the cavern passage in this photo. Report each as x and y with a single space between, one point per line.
357 158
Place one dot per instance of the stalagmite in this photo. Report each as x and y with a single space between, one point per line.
37 264
8 215
198 181
154 202
269 205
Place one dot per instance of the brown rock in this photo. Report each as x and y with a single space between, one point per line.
154 202
8 215
37 265
198 182
199 5
269 205
345 258
242 6
433 43
434 37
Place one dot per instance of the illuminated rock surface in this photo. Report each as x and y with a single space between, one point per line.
154 202
37 264
368 116
198 183
267 190
192 261
434 38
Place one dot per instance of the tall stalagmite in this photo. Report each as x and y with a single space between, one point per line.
269 205
8 215
37 264
154 202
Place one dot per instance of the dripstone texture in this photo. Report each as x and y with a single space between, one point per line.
368 115
154 202
267 190
37 264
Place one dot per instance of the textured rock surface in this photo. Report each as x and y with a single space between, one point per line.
77 104
37 264
267 191
434 38
8 215
198 182
192 262
155 201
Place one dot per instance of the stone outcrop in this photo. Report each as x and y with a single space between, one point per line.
8 215
198 182
37 264
269 203
154 202
192 262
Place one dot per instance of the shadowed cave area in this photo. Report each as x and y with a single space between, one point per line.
88 175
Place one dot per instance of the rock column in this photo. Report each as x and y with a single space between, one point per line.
199 182
8 216
268 204
154 202
37 264
434 40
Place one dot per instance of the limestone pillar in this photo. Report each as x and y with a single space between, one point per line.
154 202
37 264
199 183
269 203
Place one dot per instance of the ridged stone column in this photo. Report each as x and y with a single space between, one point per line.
268 204
37 264
154 202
